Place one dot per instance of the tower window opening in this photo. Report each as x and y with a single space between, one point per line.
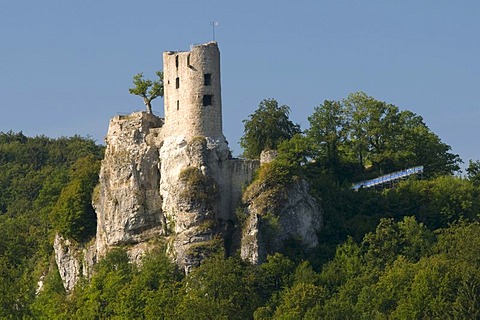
207 79
207 100
188 61
178 105
177 83
176 62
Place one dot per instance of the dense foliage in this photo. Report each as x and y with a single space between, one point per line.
357 137
267 127
361 135
410 252
402 270
37 175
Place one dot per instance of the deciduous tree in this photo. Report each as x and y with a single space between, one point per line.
376 137
148 89
266 128
473 172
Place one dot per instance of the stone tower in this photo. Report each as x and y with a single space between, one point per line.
193 102
158 183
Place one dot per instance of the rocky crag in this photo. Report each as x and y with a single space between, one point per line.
173 182
171 188
270 223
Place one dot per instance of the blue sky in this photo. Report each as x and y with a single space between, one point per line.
66 66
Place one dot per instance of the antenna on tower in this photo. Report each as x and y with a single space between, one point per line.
213 24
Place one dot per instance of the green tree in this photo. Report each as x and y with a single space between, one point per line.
382 136
99 299
154 291
327 131
373 137
219 289
431 292
148 89
73 214
381 298
296 301
407 238
435 202
473 172
460 241
51 302
295 152
266 128
276 274
431 152
34 171
347 264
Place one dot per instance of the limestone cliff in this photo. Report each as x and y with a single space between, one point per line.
182 193
73 260
189 185
129 203
153 187
271 218
173 181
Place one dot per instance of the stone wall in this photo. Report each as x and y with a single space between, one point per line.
237 174
186 86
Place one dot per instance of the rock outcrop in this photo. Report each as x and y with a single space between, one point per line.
181 192
271 221
129 204
173 181
73 260
189 185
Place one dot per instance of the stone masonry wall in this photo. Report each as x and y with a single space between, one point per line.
185 88
237 174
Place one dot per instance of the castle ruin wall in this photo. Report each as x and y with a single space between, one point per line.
193 105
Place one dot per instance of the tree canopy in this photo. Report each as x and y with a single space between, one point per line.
356 138
376 136
473 172
410 252
34 173
266 128
73 214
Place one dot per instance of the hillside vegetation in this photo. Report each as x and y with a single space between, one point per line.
45 186
410 252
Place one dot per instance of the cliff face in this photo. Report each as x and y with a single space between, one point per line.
73 261
270 221
173 181
167 188
129 203
158 188
192 197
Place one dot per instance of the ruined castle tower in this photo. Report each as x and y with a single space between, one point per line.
159 183
193 102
